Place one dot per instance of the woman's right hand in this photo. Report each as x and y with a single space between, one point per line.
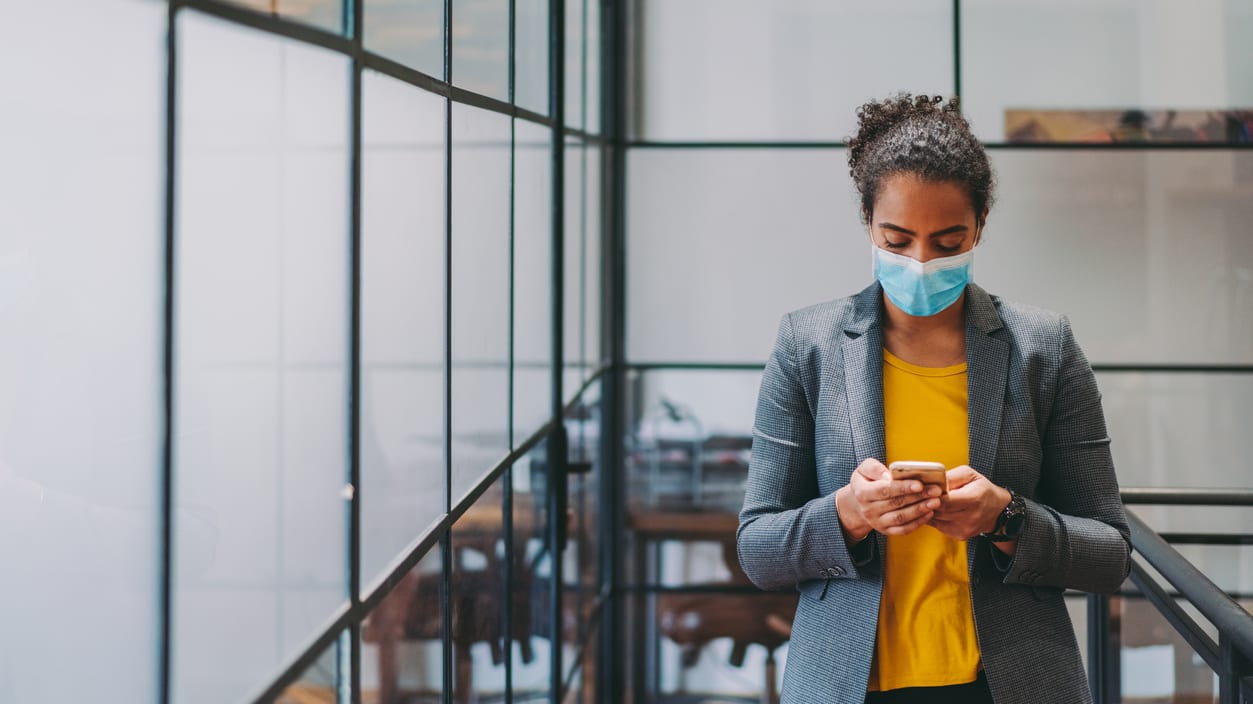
872 500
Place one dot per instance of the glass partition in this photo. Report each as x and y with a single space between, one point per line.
719 70
261 413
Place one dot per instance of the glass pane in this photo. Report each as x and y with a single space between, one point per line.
581 566
1155 662
81 265
402 647
319 684
698 646
532 279
1161 423
1120 55
591 90
592 265
261 376
480 293
575 88
402 316
574 313
480 46
743 69
478 599
687 460
532 572
408 31
1170 227
325 14
530 88
705 224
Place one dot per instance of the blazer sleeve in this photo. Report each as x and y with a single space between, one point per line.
1075 535
787 532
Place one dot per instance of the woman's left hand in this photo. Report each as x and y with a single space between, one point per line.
971 507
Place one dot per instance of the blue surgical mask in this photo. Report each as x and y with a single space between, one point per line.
922 288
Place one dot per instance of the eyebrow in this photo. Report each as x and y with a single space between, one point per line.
937 233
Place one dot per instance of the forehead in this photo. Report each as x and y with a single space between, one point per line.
908 201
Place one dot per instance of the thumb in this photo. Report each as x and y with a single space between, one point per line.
871 469
961 476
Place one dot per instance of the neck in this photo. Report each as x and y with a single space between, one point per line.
946 321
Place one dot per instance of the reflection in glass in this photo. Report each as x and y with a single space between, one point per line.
747 70
402 640
81 300
532 572
1119 55
261 381
410 32
532 280
478 598
325 14
480 293
402 308
319 683
480 46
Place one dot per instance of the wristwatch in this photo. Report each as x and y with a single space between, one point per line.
1010 523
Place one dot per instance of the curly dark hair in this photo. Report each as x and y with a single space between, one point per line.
920 135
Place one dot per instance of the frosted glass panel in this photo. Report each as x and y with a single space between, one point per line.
722 243
402 323
532 280
1112 54
81 307
1148 252
408 31
575 11
531 55
592 266
261 384
480 293
1180 429
480 46
573 254
743 69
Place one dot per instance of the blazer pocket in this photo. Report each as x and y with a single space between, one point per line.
815 589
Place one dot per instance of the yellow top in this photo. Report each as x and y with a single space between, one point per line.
926 635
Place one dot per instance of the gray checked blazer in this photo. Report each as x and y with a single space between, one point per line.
1036 426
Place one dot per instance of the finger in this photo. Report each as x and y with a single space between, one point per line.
909 527
961 476
871 469
910 514
897 492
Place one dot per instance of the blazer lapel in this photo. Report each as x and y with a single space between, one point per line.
862 352
987 371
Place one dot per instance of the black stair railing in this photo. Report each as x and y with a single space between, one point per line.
1231 656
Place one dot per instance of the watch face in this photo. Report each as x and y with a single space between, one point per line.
1013 526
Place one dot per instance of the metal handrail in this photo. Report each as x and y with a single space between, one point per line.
1231 657
1231 619
1187 497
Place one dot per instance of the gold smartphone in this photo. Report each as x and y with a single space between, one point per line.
925 472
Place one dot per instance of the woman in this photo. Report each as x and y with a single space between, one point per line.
908 595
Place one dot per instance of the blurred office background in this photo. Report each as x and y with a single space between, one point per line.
407 350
